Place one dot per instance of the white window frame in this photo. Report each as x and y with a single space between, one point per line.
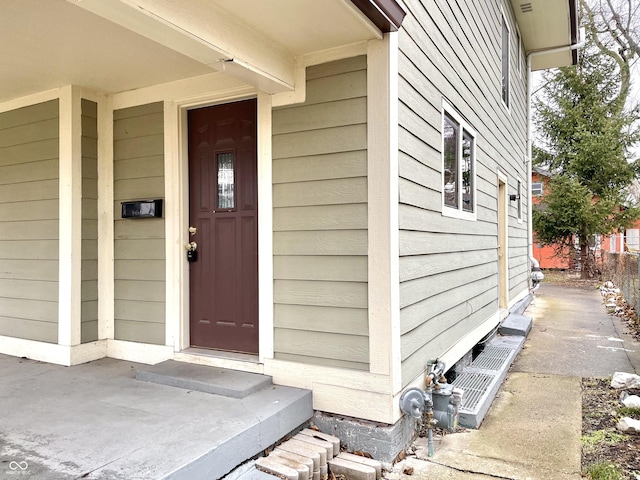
533 189
519 52
519 199
505 23
459 212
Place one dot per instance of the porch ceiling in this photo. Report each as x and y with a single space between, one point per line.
547 24
119 45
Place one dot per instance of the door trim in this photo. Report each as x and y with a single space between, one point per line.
177 218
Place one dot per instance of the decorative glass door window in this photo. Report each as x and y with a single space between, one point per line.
226 181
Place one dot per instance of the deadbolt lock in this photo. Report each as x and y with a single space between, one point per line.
192 254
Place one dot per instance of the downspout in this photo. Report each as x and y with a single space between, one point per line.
530 55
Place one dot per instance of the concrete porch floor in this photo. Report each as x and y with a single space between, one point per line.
96 421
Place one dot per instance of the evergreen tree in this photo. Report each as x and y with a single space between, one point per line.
586 136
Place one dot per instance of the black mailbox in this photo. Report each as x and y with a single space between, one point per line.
142 209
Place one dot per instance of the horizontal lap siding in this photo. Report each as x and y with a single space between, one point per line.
139 245
29 151
448 267
320 220
89 309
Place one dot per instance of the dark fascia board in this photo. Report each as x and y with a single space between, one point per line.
573 12
387 15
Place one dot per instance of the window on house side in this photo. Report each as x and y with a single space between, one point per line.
519 197
519 52
536 189
458 167
505 62
451 162
467 171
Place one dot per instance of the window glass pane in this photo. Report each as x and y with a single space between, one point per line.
519 194
518 52
225 181
467 172
536 188
505 62
450 162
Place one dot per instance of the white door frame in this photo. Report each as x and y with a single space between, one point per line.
177 218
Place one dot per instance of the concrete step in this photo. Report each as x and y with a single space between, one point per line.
202 378
482 379
275 412
268 413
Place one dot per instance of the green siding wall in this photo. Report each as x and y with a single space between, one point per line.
139 243
89 313
449 267
29 222
320 220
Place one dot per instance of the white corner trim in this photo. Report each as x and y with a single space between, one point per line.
70 217
105 219
265 228
382 180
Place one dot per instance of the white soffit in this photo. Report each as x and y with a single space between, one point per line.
544 24
51 43
120 45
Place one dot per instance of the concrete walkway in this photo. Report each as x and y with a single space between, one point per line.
533 428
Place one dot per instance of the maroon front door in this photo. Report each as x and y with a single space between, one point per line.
223 206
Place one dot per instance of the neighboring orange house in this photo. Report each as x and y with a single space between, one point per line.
629 240
546 254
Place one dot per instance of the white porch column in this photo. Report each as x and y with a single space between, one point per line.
105 219
70 217
382 174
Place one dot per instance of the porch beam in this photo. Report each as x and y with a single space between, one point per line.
213 37
70 218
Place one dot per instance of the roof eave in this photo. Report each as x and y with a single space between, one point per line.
387 15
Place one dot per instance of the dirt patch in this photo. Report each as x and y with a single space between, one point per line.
569 278
602 443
